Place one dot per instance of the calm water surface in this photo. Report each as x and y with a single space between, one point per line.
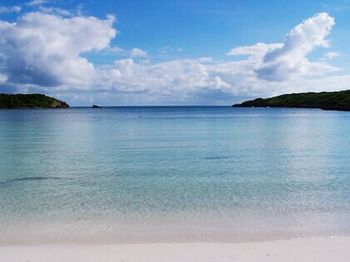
173 174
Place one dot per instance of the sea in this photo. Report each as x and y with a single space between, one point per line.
173 174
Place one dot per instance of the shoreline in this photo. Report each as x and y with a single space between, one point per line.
298 249
157 235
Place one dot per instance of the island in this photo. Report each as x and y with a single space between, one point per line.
339 100
17 101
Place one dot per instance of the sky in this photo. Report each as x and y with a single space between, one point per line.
180 52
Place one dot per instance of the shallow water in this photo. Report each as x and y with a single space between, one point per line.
173 174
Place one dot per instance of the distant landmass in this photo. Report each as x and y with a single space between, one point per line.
12 101
325 100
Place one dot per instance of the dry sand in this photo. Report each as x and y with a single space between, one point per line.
311 249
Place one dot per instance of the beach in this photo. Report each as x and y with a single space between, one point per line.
309 249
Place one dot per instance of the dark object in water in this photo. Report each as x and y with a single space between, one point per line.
95 106
33 178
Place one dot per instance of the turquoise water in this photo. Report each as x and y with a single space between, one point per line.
173 174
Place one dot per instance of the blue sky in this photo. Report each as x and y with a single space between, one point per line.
174 52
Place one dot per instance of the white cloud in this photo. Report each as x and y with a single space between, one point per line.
332 54
45 52
136 52
205 59
37 2
3 78
168 49
115 50
289 60
10 9
55 11
255 51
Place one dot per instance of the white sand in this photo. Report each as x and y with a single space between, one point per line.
314 249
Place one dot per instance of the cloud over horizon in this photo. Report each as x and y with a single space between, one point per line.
45 52
289 59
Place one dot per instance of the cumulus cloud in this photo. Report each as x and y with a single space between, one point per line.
44 51
332 54
115 50
254 51
289 60
37 2
3 78
168 49
55 11
10 9
136 52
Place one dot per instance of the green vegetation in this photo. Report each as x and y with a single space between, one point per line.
10 101
325 100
